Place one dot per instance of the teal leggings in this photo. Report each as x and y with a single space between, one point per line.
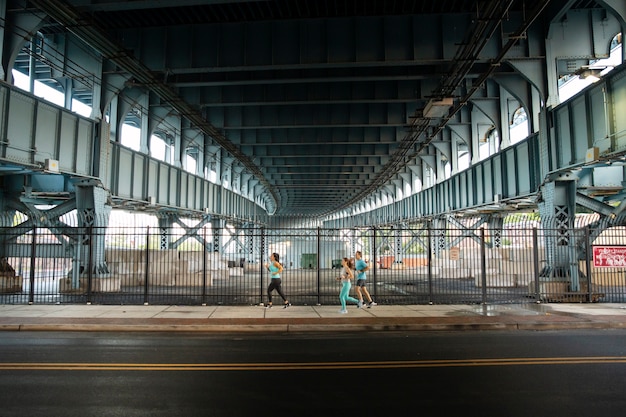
344 294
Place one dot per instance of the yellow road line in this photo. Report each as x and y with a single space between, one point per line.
443 363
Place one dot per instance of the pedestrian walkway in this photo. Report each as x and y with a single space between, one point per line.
41 317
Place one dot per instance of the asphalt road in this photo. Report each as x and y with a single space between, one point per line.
569 373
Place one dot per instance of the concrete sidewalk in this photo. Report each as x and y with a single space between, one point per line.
158 318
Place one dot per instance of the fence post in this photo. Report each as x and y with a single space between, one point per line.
374 293
429 247
147 266
204 256
89 264
319 251
33 253
483 265
536 264
588 254
261 263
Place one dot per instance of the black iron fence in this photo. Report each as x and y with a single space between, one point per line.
421 265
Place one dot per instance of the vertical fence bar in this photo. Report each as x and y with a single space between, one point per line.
147 267
33 253
374 292
89 264
429 256
319 251
261 263
204 256
483 265
588 254
536 264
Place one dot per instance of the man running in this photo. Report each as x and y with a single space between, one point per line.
361 267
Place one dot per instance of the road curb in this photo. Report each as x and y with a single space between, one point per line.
307 327
208 328
401 327
563 326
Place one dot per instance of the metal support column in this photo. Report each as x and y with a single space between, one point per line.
263 250
398 247
217 226
251 246
6 220
165 227
439 236
496 226
93 212
557 210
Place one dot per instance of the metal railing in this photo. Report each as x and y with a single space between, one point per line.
151 265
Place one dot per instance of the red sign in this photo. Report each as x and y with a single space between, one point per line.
609 256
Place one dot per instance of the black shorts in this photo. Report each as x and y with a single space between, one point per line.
360 282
